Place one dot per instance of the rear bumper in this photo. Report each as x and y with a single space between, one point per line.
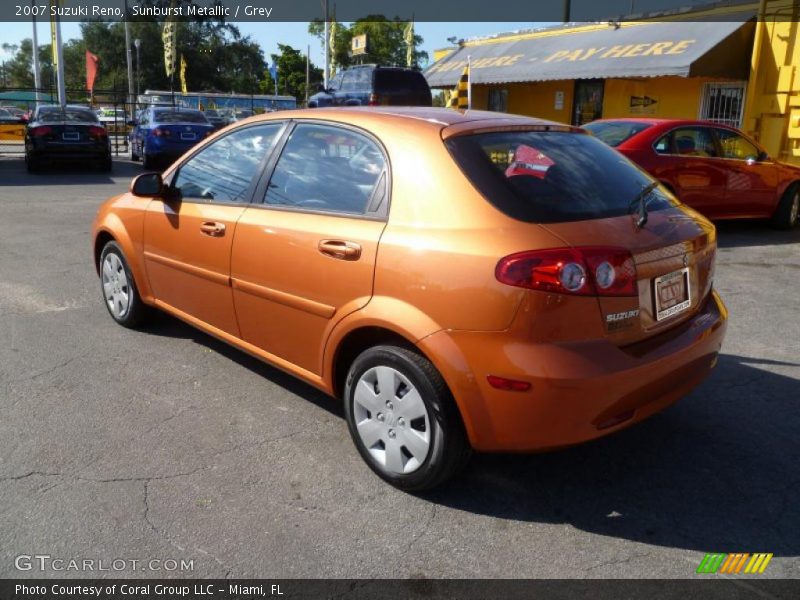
579 390
54 152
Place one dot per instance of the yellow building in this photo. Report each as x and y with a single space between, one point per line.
734 64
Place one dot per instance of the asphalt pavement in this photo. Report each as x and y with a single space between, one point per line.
165 444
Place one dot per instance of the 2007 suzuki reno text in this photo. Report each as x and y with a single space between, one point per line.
461 280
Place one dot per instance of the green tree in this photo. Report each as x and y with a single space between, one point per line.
385 41
292 74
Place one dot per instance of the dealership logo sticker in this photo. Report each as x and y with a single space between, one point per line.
734 564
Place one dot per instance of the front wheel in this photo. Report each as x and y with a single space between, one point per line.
119 289
788 211
403 418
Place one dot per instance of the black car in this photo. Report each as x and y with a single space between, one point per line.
373 85
72 133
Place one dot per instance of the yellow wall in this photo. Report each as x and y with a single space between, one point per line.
675 97
772 110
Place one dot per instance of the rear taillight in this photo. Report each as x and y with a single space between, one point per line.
41 131
587 271
374 100
158 132
97 132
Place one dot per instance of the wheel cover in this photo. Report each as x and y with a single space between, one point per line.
115 286
391 420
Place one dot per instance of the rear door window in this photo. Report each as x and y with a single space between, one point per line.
694 141
398 79
550 177
330 169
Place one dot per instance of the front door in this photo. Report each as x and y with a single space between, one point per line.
588 103
187 242
305 257
752 179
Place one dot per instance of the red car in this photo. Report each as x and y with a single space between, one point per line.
713 168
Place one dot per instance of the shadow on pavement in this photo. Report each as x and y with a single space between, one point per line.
737 234
717 472
13 173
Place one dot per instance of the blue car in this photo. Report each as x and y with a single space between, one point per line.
161 134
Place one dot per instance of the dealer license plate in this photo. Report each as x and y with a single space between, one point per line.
188 136
672 294
71 136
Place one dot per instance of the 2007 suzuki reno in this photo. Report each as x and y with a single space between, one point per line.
461 280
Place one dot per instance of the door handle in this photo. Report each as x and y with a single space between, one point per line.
340 249
213 228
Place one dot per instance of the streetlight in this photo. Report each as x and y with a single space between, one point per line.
137 42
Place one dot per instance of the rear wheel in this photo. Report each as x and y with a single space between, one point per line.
148 161
403 419
32 164
788 212
119 289
105 164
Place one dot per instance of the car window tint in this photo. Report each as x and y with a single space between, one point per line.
663 146
694 141
328 169
179 116
735 146
362 79
348 81
399 79
614 133
223 170
551 177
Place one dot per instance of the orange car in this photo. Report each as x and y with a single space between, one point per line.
462 280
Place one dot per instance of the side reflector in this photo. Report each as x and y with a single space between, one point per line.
511 385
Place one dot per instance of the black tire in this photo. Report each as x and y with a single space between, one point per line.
134 156
105 165
148 162
33 165
786 215
449 449
137 312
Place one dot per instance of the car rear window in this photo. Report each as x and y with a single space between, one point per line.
179 116
390 79
614 133
68 114
551 177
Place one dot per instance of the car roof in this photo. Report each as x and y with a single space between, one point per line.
436 117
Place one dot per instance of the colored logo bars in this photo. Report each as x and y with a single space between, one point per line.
737 563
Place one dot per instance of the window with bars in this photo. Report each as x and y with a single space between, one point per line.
723 103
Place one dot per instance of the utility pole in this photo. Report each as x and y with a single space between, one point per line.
62 87
567 11
37 81
308 81
327 49
129 57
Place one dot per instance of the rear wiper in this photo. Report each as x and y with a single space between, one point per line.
641 199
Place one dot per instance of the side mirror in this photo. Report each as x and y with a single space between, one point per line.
147 185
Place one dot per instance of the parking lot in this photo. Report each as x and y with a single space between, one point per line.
166 444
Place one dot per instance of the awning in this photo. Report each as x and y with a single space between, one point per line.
645 49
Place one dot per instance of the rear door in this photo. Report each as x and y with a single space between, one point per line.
305 257
688 162
187 242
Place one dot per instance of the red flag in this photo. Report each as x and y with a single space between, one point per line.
91 70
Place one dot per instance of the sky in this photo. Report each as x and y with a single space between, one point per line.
268 35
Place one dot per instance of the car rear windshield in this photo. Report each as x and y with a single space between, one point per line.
614 133
179 116
552 176
68 114
390 79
